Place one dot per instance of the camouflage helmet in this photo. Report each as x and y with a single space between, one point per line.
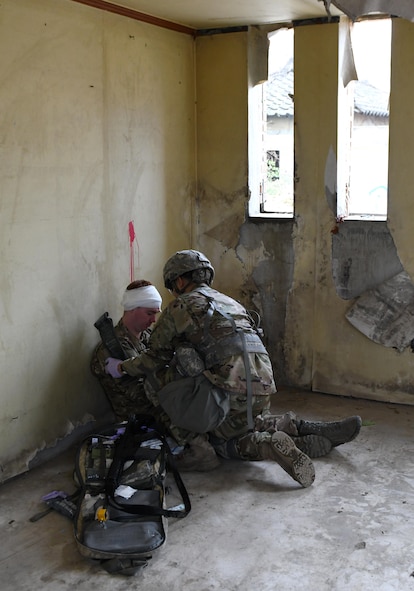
185 261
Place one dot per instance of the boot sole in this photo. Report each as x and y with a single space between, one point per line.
314 446
291 459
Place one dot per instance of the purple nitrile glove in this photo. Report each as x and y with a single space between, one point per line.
111 367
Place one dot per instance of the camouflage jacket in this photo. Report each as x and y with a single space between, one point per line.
126 395
184 321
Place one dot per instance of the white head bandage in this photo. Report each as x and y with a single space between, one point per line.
142 297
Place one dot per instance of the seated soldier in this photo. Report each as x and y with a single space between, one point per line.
141 302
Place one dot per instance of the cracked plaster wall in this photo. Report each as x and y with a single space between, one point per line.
253 260
302 276
69 190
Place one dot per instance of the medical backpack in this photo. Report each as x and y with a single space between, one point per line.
122 515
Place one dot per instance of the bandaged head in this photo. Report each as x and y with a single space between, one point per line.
147 296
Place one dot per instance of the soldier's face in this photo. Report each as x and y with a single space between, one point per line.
144 317
180 286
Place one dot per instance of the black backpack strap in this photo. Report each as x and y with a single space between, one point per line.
115 471
179 482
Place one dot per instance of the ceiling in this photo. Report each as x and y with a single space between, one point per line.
213 14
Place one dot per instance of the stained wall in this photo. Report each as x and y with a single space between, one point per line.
97 130
304 275
109 120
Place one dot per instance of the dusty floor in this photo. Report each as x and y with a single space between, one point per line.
251 526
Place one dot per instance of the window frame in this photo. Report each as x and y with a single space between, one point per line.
257 152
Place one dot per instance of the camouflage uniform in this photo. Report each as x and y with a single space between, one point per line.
183 323
126 395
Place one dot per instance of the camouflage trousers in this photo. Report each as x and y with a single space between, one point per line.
271 423
235 424
231 440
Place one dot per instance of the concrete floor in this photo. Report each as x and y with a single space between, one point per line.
251 526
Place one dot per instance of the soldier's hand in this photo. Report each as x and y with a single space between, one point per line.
113 367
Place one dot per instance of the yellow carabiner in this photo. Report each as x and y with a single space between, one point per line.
101 514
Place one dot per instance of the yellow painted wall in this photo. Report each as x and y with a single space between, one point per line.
323 348
315 94
97 130
222 111
321 351
108 120
400 205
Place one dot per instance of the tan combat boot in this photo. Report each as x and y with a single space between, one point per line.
338 432
314 446
280 448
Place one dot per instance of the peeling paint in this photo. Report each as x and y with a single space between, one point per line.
227 231
385 314
363 256
29 459
300 275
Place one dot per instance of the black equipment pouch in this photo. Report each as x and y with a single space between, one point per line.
107 331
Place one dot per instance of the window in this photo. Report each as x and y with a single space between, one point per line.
363 124
273 167
271 133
